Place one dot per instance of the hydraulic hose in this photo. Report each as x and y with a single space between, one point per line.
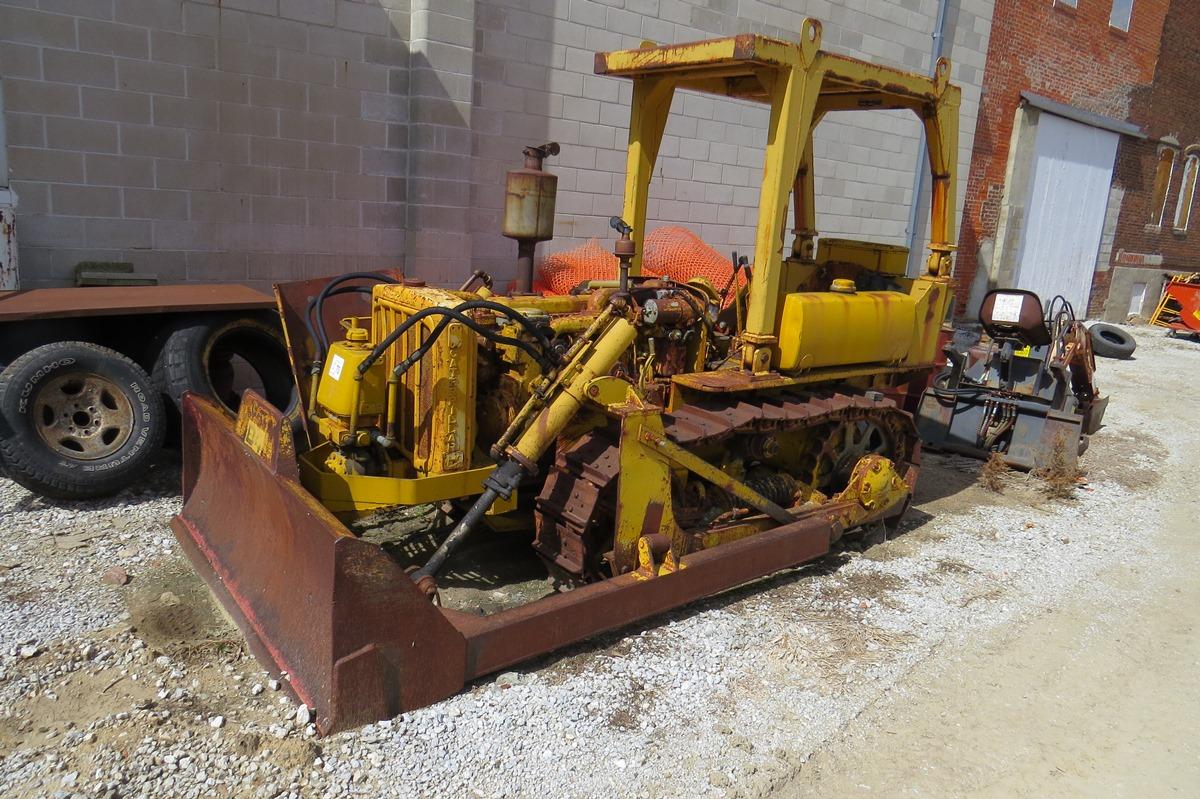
500 483
322 341
457 313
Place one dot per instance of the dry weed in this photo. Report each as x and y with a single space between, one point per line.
1060 475
994 473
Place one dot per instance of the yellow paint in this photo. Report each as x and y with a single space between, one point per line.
800 83
341 392
831 329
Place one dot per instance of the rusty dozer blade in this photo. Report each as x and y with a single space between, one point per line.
358 640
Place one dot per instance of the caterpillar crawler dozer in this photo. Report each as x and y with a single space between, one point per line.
650 441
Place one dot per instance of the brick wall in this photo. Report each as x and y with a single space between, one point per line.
1171 115
255 140
1068 54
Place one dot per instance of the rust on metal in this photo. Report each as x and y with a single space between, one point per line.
57 303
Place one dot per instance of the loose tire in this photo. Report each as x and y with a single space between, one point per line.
77 420
1111 341
219 356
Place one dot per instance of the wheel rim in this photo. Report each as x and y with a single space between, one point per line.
848 443
83 416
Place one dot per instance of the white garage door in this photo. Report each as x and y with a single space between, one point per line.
1064 219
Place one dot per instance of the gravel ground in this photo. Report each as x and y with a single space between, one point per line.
141 688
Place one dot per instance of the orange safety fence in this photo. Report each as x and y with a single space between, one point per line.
673 252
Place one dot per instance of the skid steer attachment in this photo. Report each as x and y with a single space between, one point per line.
649 441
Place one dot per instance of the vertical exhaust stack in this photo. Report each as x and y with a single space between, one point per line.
529 195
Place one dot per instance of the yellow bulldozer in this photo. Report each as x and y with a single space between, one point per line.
651 441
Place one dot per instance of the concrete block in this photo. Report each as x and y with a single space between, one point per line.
20 61
178 235
64 133
306 126
27 26
241 179
180 112
333 157
153 14
177 48
334 213
278 152
333 100
152 77
118 233
305 68
50 231
317 12
219 206
254 7
36 97
273 93
234 118
116 106
364 18
361 132
278 210
358 187
25 130
248 59
72 200
172 174
209 84
384 50
368 77
383 215
227 148
272 31
337 43
96 9
305 183
392 163
155 204
111 38
217 266
119 170
153 141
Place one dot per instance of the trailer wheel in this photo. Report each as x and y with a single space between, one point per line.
1111 341
77 420
219 357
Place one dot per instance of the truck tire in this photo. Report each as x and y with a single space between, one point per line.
77 420
218 357
1111 341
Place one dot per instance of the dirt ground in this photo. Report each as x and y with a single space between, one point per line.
1095 696
1003 644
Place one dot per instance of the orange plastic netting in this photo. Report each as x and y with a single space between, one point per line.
673 252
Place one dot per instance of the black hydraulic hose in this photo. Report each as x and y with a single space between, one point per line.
542 357
457 313
500 483
309 322
323 341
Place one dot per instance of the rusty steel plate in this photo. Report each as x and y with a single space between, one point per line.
60 303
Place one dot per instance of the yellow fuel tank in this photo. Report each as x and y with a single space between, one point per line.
843 329
336 391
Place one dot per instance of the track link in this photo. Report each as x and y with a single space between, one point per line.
576 505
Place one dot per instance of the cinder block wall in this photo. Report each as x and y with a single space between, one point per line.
256 140
246 140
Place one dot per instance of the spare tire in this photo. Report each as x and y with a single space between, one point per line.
77 420
221 356
1111 341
